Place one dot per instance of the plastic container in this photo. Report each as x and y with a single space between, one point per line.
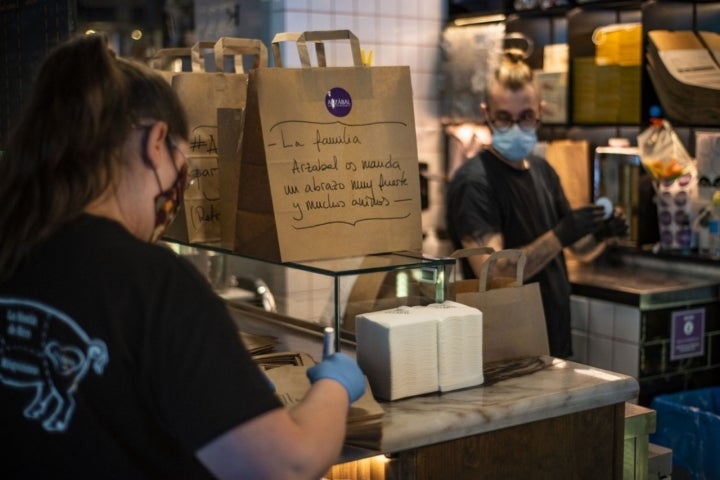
689 424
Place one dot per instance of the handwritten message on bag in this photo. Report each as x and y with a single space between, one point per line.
342 160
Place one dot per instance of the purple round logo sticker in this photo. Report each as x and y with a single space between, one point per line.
338 102
681 198
665 218
666 238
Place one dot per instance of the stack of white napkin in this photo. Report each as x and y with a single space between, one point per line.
409 351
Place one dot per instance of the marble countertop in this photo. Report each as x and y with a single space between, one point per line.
561 388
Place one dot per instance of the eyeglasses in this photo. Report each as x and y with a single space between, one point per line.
503 121
193 172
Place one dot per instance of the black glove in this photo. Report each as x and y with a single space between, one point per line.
615 226
578 223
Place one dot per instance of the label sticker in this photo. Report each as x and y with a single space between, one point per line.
687 337
338 102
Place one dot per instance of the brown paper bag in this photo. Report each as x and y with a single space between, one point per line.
202 93
570 160
329 163
230 121
513 318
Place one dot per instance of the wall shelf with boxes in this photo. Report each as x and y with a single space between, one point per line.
322 293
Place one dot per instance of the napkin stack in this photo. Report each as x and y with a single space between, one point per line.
460 340
410 351
397 351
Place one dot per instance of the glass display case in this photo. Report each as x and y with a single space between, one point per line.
321 293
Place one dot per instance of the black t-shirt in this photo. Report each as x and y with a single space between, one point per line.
488 196
117 360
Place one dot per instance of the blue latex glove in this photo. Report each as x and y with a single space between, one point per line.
342 369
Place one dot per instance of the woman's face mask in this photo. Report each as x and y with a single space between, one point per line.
168 202
515 143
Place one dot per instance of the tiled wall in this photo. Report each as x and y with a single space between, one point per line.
605 334
627 340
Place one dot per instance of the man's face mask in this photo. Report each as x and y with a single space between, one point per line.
514 144
514 139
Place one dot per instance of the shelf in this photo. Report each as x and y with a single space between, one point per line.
381 262
331 292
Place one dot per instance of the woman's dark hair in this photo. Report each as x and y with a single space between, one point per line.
65 149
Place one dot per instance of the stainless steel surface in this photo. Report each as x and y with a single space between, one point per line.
641 287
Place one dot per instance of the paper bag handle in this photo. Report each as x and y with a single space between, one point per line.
169 53
471 252
239 47
518 256
286 37
198 61
318 38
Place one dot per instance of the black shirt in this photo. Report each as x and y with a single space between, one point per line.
117 360
488 196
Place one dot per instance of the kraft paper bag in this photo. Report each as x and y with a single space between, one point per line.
569 158
513 317
329 165
230 121
202 93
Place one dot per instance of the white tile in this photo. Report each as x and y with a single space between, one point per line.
600 352
385 55
298 5
388 32
626 358
579 313
344 6
428 59
343 21
579 346
627 323
387 8
320 21
296 22
365 30
407 31
429 34
430 143
321 5
366 7
601 317
431 9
